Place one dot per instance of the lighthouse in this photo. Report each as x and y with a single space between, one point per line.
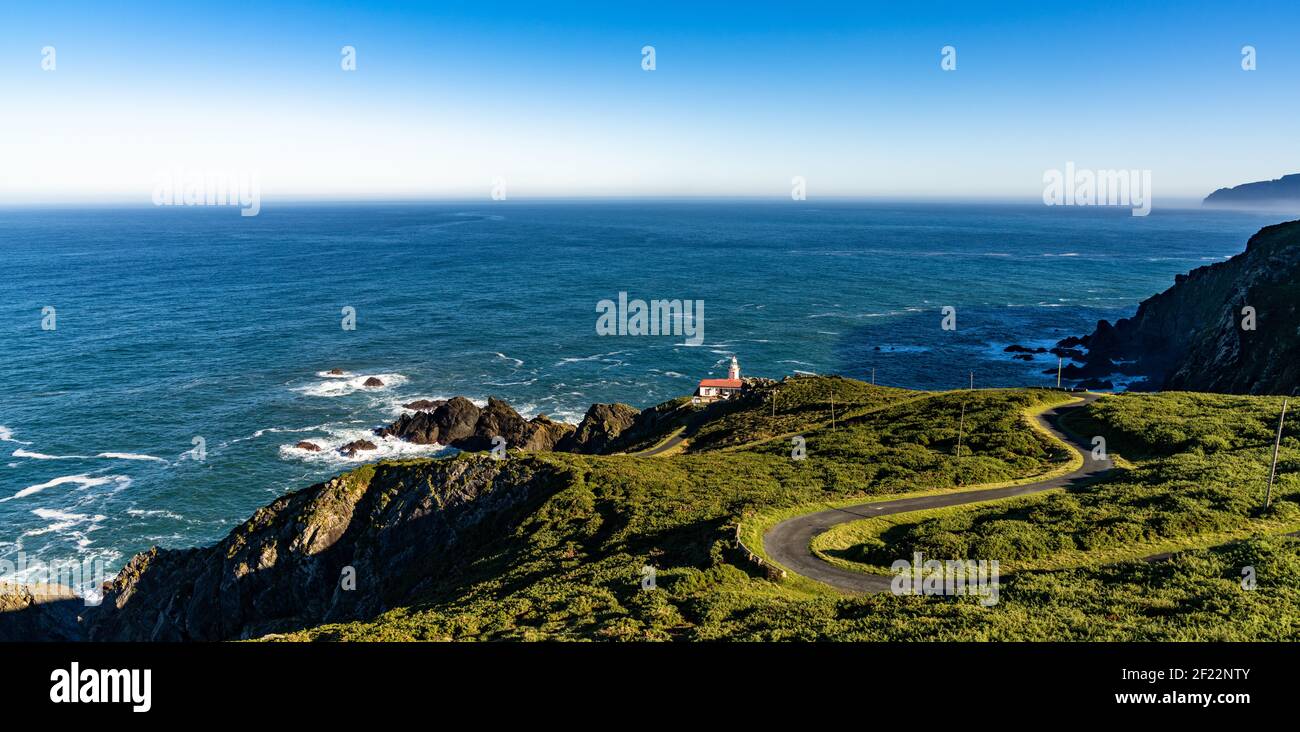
711 390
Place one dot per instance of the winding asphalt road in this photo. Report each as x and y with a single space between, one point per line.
663 447
789 542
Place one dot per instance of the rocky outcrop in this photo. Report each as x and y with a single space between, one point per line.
599 427
309 446
447 425
545 434
497 419
420 428
452 420
1231 327
41 612
356 446
424 405
349 548
456 419
373 382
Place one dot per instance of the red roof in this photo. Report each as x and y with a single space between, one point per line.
721 383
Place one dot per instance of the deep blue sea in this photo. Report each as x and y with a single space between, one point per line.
177 324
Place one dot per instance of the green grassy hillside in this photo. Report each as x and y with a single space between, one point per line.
572 567
1198 477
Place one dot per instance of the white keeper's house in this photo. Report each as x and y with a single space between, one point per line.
711 390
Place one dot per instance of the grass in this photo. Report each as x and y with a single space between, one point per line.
1199 481
570 567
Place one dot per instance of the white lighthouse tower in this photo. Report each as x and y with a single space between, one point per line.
711 390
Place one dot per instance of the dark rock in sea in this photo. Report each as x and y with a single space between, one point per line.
391 530
497 419
420 428
305 445
335 372
424 405
1199 336
459 423
372 381
455 419
1024 356
356 446
450 422
599 428
1017 348
1071 342
1074 354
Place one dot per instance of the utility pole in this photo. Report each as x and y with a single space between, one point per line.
1060 361
1277 445
873 377
961 427
972 380
832 409
774 404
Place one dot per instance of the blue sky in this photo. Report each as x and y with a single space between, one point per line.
552 99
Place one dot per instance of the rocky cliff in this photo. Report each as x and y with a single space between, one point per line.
351 547
1231 327
41 612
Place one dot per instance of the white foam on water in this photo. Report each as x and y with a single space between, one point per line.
596 357
504 357
7 435
386 448
83 482
154 512
129 456
101 456
277 430
342 386
571 416
42 456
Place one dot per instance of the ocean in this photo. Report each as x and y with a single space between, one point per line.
176 329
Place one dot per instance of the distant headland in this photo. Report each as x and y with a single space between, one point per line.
1281 193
